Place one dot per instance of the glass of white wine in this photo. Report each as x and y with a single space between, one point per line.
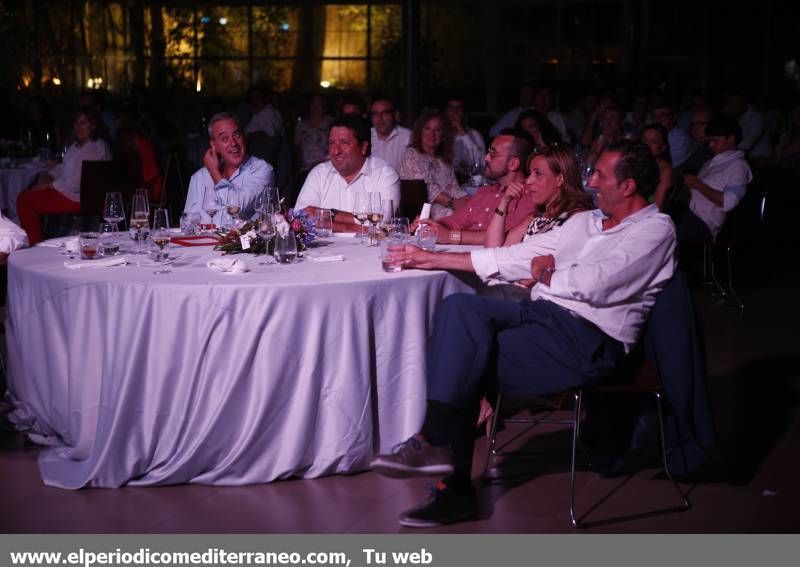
160 237
140 213
211 205
361 210
233 206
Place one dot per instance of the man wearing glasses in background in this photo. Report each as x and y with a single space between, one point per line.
506 161
389 140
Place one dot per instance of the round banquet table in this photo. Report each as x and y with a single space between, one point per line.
199 376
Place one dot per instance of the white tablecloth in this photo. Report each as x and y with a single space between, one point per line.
14 181
198 376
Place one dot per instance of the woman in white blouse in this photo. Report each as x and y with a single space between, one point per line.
429 157
60 190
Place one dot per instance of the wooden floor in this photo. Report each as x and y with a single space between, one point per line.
750 486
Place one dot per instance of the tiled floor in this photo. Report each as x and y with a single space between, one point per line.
754 383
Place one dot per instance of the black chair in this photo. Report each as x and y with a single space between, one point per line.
685 431
97 179
413 194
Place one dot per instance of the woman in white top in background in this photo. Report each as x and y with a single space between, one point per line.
60 190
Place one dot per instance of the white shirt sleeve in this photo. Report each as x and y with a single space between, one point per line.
311 193
12 237
512 263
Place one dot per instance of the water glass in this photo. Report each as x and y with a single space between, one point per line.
90 245
285 248
389 246
109 238
400 226
160 237
426 236
324 223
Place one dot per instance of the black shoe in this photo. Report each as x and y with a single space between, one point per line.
415 457
443 506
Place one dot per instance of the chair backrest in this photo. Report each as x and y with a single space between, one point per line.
413 194
97 179
266 147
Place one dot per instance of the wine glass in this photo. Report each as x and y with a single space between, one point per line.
211 204
324 224
375 216
113 211
387 222
286 248
140 212
267 230
361 212
160 237
233 206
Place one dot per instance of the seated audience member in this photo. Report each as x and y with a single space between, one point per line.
697 101
539 127
680 143
654 136
351 104
429 157
39 130
587 308
526 99
611 132
543 102
389 139
636 118
311 137
265 117
577 119
719 186
555 189
60 190
505 165
12 238
697 130
227 169
333 184
468 144
755 142
136 150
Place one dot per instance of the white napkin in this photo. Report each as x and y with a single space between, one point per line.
228 264
99 263
56 242
325 257
344 234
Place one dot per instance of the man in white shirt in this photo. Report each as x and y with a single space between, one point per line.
350 170
589 304
228 172
389 140
12 238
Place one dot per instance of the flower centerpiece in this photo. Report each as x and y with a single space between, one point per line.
246 238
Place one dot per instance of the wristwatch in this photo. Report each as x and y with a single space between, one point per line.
455 236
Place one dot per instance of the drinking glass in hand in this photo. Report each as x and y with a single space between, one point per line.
285 248
139 221
267 230
113 212
160 237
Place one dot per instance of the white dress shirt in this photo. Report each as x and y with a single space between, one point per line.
391 149
327 189
12 237
513 263
249 179
67 174
727 172
611 278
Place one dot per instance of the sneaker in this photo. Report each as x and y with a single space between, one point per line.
443 506
415 457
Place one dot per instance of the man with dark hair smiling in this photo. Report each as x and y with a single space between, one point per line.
333 184
587 309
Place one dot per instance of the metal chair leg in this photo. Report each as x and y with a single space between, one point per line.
663 440
493 432
734 295
576 427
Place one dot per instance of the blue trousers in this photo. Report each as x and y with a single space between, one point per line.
529 348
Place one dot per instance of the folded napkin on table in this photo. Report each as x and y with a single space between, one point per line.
344 234
228 265
57 242
99 263
324 257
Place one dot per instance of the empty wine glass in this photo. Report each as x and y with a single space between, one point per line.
285 248
211 204
361 212
160 237
139 220
113 211
267 230
324 224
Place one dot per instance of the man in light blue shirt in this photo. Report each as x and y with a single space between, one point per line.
228 170
681 145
